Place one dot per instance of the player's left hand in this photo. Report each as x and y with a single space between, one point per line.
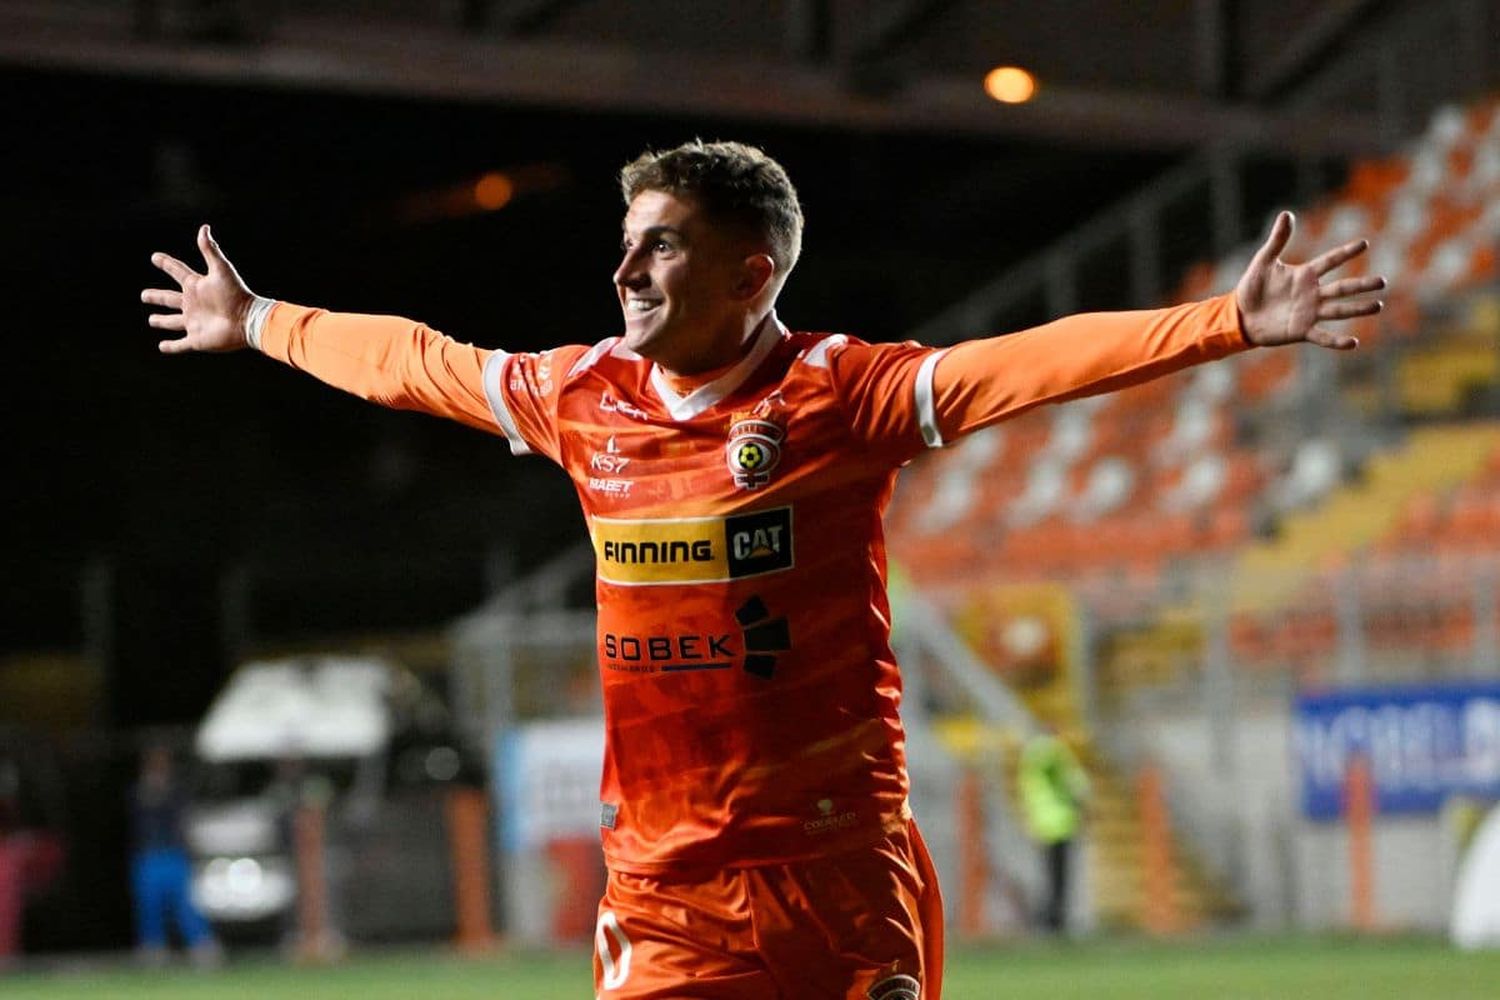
212 307
1283 303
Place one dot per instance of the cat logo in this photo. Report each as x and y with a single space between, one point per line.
760 542
754 450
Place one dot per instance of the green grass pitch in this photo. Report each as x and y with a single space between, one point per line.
1218 969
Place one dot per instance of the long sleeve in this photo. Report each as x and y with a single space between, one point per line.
385 359
904 396
982 382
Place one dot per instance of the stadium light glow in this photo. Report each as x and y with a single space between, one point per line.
493 191
1010 85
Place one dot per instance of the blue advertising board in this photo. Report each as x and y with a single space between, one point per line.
1424 745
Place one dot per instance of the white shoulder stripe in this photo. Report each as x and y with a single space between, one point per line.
817 355
926 402
593 355
494 381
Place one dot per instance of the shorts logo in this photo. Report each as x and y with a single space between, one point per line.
693 549
896 988
754 450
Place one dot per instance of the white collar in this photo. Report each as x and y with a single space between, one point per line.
687 407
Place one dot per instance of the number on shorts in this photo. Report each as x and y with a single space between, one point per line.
616 970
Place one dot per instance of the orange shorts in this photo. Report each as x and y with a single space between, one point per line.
866 925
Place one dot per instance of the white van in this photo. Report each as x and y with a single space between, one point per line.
358 732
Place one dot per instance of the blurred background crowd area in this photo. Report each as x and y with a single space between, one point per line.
1250 597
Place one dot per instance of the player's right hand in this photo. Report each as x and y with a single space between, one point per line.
211 308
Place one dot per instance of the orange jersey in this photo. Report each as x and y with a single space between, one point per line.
750 694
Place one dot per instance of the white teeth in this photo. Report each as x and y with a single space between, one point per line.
640 305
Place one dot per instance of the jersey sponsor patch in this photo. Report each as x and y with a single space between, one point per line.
762 637
693 549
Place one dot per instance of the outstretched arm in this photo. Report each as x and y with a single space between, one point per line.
981 382
385 359
1274 304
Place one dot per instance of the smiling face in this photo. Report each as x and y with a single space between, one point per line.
691 291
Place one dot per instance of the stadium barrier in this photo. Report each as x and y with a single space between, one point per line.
1359 817
467 814
317 939
1159 899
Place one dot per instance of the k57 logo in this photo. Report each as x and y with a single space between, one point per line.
609 461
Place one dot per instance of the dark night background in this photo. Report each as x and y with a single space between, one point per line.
172 471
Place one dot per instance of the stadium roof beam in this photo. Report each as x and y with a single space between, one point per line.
513 17
809 30
1218 51
340 54
897 23
1299 54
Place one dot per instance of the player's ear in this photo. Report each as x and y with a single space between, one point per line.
756 272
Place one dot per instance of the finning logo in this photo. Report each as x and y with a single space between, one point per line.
754 449
896 988
635 552
764 637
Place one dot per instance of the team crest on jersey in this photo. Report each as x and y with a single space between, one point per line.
754 448
896 988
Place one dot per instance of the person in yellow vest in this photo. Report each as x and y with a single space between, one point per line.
1054 793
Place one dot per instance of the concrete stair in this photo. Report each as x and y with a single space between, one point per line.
1114 826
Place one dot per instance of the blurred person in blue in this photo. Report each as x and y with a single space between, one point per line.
160 873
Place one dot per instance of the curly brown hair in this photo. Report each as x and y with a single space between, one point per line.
733 183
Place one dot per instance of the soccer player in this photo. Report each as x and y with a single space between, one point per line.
733 472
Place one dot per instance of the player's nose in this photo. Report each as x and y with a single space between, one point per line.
632 271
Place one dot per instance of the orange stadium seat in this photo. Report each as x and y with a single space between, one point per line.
1266 373
1109 494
